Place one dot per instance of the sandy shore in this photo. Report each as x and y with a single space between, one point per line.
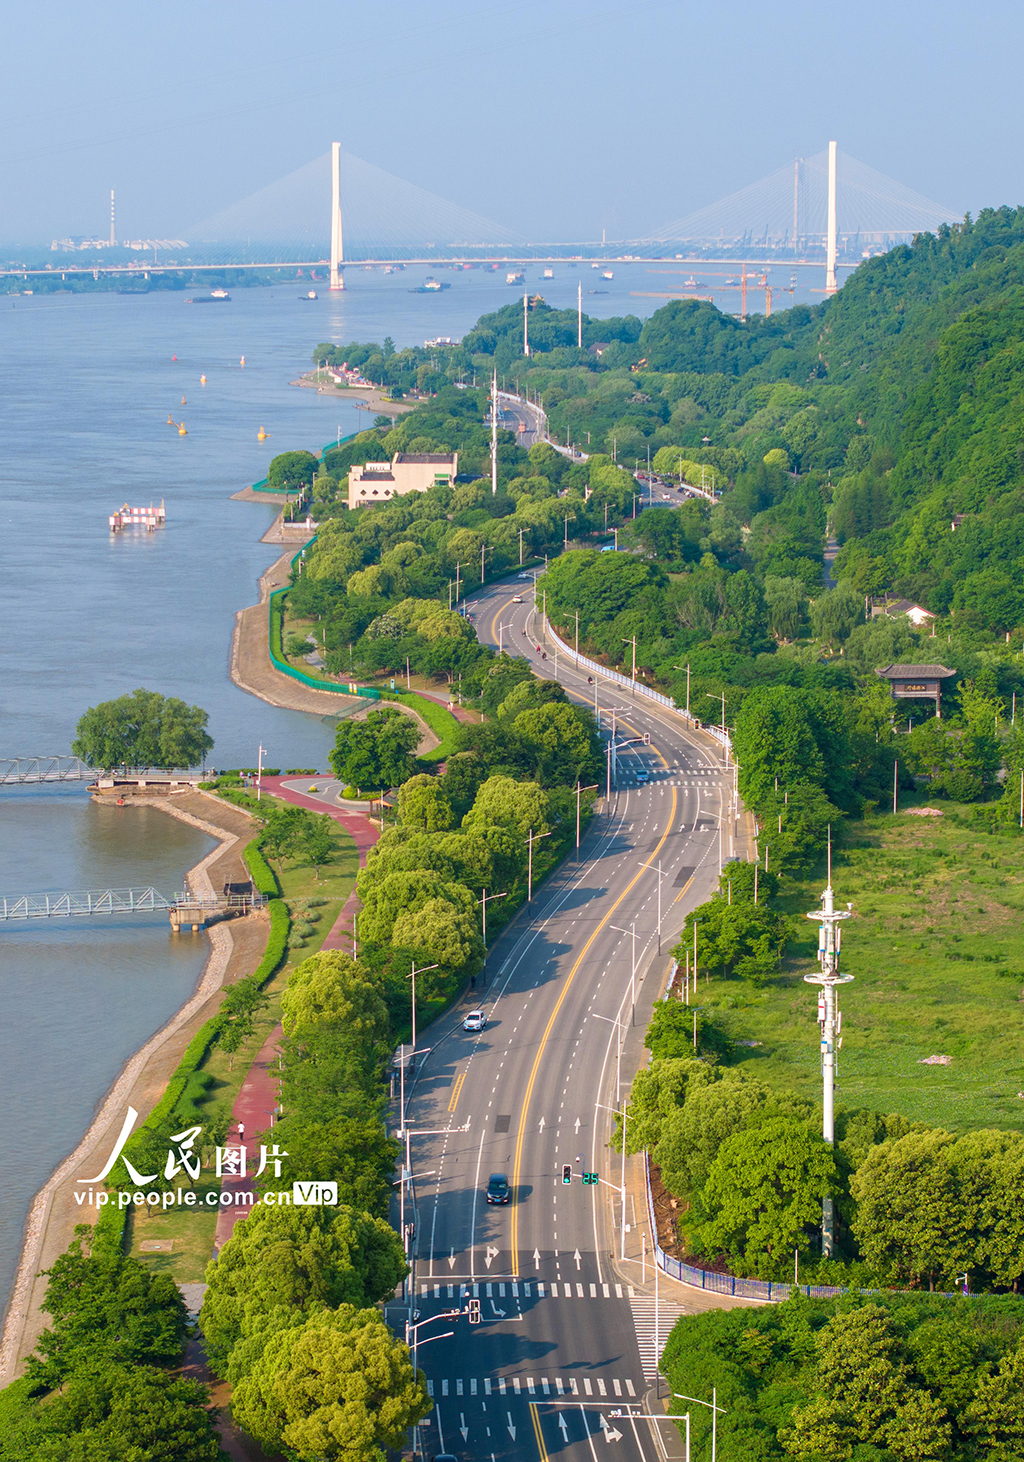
253 670
235 950
372 396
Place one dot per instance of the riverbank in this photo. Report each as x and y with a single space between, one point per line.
374 397
235 950
253 671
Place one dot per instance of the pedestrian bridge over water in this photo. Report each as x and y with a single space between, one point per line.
17 770
185 910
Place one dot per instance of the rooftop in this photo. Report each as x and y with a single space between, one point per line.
914 672
443 459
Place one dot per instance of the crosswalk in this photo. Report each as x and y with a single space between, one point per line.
532 1386
527 1289
651 1338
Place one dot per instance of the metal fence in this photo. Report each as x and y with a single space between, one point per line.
581 662
729 1284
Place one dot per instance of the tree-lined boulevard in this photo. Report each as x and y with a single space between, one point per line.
556 1351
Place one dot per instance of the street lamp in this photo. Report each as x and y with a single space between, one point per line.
632 979
628 641
592 788
657 870
483 901
501 636
422 971
533 838
714 1408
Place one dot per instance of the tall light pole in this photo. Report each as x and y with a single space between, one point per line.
533 838
632 979
259 772
520 548
484 899
526 324
501 631
484 548
656 868
421 971
632 642
592 788
714 1408
830 1020
579 315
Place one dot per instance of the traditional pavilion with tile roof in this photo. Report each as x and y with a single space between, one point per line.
916 682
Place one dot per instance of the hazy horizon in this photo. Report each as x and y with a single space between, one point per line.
556 121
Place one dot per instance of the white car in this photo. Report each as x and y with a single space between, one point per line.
475 1021
517 599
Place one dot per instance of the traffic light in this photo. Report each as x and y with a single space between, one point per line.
567 1173
473 1310
590 1177
647 738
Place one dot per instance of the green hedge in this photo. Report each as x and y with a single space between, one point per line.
263 875
441 721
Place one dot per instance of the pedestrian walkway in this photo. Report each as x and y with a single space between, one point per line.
651 1336
533 1386
257 1100
526 1289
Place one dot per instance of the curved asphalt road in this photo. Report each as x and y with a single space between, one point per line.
555 1366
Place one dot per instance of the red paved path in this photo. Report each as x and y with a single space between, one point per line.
257 1101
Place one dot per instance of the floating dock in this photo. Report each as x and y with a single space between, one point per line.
149 518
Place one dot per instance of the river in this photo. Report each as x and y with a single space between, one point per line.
86 385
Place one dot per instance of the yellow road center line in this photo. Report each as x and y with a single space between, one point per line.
550 1026
457 1091
535 1418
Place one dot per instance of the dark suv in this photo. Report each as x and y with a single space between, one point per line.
497 1188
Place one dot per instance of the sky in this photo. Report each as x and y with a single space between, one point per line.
556 118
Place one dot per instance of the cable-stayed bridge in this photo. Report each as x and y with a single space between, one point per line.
296 222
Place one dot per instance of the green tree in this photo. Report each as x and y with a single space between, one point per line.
422 805
503 802
336 1386
911 1221
787 606
866 1394
317 841
764 1189
292 470
144 729
353 1151
298 1258
995 1418
791 737
836 613
377 752
114 1413
106 1307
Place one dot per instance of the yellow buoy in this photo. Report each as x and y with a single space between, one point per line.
261 435
202 380
181 429
183 401
242 361
170 419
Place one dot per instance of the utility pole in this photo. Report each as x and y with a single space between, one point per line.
579 315
526 324
494 433
831 1021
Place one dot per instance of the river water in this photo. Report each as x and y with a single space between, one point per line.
86 386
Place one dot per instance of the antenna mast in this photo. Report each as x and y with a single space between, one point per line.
494 433
830 1020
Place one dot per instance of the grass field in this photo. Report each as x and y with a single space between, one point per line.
189 1232
936 946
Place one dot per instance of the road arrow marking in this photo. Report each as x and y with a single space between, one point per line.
611 1433
541 1124
511 1428
491 1255
536 1258
576 1256
562 1424
577 1126
499 1313
464 1429
451 1259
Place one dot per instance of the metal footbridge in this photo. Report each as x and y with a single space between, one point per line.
17 770
186 908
